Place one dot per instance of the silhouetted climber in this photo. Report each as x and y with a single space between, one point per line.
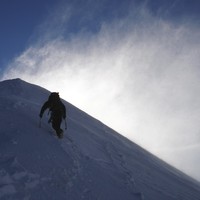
58 112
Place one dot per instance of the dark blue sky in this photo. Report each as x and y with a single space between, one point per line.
19 20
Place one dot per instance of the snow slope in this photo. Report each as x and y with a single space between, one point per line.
91 162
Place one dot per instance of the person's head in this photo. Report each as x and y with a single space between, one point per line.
53 97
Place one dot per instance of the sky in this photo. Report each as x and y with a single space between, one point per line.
132 64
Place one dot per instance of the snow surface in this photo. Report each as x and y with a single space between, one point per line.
91 162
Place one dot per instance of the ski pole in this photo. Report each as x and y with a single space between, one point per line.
65 124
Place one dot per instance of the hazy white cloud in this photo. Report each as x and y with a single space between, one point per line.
142 79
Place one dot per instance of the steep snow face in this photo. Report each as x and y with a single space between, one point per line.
91 162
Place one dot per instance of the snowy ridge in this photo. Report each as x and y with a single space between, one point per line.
91 162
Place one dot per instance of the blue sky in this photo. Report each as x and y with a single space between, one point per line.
19 20
132 64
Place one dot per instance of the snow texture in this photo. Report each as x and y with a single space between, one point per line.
91 162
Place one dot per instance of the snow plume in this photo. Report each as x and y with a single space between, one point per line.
137 73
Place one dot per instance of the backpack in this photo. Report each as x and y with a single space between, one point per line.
55 105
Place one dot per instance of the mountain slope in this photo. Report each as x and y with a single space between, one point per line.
91 162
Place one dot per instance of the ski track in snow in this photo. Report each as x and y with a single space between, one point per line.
116 160
73 151
119 162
